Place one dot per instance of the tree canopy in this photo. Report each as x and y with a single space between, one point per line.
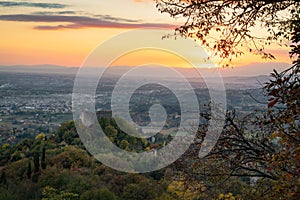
229 28
264 145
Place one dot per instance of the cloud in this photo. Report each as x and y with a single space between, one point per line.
31 4
117 19
77 22
55 13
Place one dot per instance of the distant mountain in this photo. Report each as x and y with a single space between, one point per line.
44 69
249 76
253 69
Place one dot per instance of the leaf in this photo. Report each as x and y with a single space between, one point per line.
273 102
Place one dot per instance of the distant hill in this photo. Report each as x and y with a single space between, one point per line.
44 69
245 77
253 69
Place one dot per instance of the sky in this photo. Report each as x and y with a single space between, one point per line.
64 32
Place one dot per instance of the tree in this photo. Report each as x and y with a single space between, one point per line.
72 156
36 160
111 132
43 160
50 193
41 136
66 127
264 145
227 28
143 190
29 170
100 194
3 178
180 191
269 146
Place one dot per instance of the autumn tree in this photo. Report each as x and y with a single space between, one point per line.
264 145
229 28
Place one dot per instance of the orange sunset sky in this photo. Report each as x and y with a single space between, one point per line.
64 32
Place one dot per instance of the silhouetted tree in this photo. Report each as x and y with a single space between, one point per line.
228 27
264 144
